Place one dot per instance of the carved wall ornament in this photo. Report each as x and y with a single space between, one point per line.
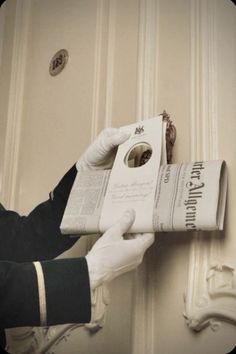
170 135
213 293
211 287
100 299
221 280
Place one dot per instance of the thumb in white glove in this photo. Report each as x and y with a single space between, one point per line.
100 154
112 255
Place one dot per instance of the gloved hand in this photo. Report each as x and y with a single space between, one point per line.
100 154
112 255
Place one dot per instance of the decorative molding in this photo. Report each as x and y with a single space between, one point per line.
144 297
211 294
100 296
39 340
2 36
100 299
15 103
147 60
110 62
203 80
97 67
54 336
2 25
221 281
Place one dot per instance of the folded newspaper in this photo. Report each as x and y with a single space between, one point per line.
165 197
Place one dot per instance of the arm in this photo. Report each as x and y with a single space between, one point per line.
44 293
56 292
37 236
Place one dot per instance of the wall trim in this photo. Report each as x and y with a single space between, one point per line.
211 292
38 339
146 107
110 62
15 103
2 25
97 67
203 115
2 36
100 296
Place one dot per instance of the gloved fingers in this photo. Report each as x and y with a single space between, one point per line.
101 153
105 144
109 131
110 138
121 227
100 141
116 139
129 236
143 240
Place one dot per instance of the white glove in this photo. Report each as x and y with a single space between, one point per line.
112 255
100 154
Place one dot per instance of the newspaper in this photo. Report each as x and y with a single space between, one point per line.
191 197
165 197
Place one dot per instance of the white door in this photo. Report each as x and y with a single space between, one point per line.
128 60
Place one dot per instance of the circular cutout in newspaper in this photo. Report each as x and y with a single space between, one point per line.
138 155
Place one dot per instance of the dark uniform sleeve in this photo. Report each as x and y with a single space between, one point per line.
34 290
44 293
37 236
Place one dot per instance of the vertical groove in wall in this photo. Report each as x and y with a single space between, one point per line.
15 104
209 75
203 119
97 68
2 25
203 115
96 83
110 62
144 293
147 60
195 133
194 80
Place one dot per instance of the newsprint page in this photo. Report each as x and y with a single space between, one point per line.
166 197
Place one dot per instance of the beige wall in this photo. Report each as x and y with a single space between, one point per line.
128 60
